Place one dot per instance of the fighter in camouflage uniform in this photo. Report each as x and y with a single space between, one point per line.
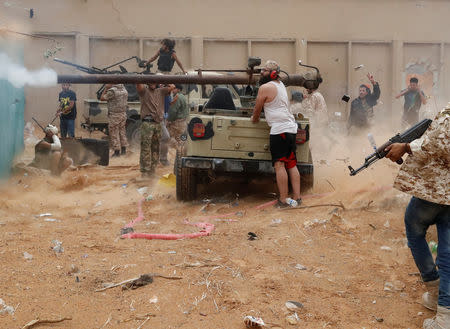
117 97
152 114
176 121
426 176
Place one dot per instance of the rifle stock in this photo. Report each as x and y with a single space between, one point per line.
407 136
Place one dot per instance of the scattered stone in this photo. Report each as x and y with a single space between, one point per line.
276 221
27 256
387 225
386 248
142 190
292 319
153 300
73 269
378 319
252 236
399 285
45 215
300 267
98 204
293 306
57 248
52 220
314 222
388 286
420 313
5 308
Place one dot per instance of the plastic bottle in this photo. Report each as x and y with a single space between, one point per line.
291 202
433 246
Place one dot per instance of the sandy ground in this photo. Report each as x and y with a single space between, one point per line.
334 261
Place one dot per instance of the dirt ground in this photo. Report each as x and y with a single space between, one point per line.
350 268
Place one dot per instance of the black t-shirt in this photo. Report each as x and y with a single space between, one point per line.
64 100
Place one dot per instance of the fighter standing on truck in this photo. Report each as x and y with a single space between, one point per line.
426 176
152 114
116 97
167 57
273 97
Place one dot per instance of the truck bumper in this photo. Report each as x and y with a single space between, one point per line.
239 165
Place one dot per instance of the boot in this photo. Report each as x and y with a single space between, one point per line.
440 321
116 154
430 298
123 150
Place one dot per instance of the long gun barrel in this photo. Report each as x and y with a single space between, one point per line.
291 80
85 69
38 124
408 136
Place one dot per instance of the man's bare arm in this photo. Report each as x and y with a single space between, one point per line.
155 56
174 56
259 104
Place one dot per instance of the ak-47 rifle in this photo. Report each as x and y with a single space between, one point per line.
408 136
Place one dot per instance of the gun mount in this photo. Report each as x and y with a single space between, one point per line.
132 93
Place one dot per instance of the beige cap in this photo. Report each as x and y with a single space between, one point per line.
271 65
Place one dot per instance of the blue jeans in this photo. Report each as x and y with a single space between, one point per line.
419 216
67 127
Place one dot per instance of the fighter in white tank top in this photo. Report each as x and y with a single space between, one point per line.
277 114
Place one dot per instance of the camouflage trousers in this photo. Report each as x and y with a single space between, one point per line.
117 132
176 129
150 137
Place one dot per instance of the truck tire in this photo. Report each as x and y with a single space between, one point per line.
133 132
307 180
186 185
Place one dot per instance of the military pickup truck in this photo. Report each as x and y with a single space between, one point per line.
95 112
222 140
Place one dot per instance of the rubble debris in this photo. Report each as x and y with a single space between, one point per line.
253 322
57 248
27 256
292 319
32 323
5 308
140 281
293 306
252 236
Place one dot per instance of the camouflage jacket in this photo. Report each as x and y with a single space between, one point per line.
425 173
117 97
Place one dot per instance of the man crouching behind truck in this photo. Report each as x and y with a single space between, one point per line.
48 153
273 97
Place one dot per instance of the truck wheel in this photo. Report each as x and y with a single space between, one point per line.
307 180
186 185
133 132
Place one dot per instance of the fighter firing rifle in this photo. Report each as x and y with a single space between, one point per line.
408 136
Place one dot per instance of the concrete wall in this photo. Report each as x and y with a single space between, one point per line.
387 36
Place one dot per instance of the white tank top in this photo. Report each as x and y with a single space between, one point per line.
278 117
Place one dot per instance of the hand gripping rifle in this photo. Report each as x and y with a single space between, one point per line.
408 136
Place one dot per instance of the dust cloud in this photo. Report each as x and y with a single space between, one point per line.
19 76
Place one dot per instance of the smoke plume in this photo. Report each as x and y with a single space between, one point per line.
19 76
